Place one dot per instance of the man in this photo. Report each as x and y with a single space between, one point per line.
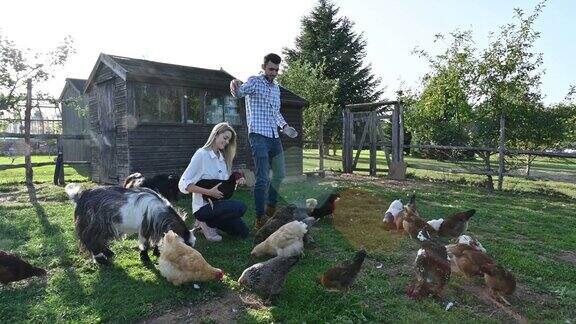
262 96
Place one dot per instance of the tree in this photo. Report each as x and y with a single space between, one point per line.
329 41
508 84
443 111
308 82
18 65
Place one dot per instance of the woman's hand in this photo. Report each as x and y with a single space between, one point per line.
241 181
214 192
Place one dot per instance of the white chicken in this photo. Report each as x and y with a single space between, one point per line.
286 241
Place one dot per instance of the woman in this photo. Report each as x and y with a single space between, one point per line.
214 161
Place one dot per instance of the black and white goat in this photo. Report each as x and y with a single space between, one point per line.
105 213
164 184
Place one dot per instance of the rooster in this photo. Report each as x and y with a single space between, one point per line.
227 187
281 217
327 208
180 263
286 241
341 276
12 268
432 268
456 224
267 278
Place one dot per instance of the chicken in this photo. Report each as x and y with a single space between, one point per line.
456 224
12 268
327 208
283 216
467 263
499 281
311 203
341 276
227 187
392 214
410 209
432 268
180 263
286 241
413 224
267 278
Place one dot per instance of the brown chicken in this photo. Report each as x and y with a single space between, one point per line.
412 223
267 278
327 207
341 276
456 224
180 263
12 268
467 260
432 268
499 280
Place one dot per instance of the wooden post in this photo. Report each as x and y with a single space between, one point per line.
501 151
372 123
59 168
398 167
347 141
28 149
321 142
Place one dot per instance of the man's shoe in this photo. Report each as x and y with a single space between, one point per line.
270 210
260 221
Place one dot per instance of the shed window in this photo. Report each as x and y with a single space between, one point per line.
158 103
193 106
221 107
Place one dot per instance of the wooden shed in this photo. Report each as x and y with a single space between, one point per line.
75 120
151 117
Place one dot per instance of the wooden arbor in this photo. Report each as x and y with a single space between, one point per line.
373 116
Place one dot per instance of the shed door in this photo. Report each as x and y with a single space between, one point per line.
105 97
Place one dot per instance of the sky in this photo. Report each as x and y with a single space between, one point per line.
235 35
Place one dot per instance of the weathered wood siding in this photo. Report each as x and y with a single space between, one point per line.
74 124
109 127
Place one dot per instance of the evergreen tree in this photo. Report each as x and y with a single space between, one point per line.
329 41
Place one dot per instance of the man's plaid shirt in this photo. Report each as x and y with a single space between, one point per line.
262 106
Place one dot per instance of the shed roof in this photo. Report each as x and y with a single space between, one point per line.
156 72
76 84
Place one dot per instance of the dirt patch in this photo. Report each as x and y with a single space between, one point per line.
224 309
483 295
358 218
568 257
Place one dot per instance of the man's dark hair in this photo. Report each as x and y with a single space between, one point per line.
274 58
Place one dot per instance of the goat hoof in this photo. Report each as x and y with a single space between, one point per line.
101 259
108 253
144 256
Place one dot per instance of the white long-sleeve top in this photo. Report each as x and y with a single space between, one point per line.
205 164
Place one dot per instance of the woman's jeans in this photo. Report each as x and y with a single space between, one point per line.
267 154
226 216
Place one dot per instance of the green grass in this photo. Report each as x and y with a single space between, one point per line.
524 230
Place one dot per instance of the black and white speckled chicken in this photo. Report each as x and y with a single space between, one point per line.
267 278
432 268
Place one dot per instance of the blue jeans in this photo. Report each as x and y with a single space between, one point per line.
226 216
267 154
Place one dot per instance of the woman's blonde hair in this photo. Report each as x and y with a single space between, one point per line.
230 149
